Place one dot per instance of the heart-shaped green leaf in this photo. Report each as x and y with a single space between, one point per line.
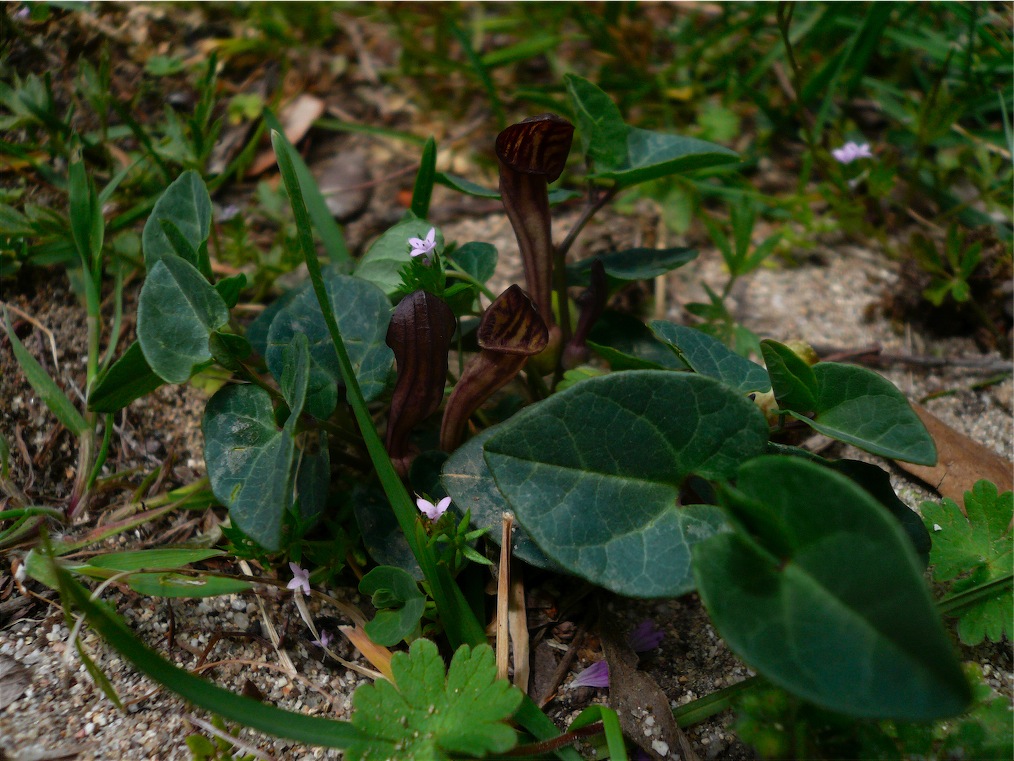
177 312
477 259
398 601
128 378
792 379
651 155
709 356
187 206
594 473
469 483
249 461
363 314
820 591
632 264
626 343
382 263
862 408
601 127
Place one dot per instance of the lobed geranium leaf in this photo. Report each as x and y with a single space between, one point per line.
709 356
972 551
857 406
594 473
186 205
177 312
382 263
250 462
433 716
821 592
469 482
363 313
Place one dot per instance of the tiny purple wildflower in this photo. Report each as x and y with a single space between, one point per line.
596 675
852 151
324 641
300 579
646 637
424 246
431 511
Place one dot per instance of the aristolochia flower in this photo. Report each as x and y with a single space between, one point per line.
324 641
424 246
852 151
300 579
430 510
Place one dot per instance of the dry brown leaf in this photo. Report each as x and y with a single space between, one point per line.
960 461
296 119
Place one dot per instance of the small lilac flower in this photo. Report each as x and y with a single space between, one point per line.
325 639
646 637
300 579
424 246
430 510
596 675
852 151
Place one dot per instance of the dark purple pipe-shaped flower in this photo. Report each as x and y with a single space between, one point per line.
532 154
592 303
420 335
510 332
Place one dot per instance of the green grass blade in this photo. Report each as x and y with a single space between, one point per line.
423 190
481 72
328 230
251 713
45 386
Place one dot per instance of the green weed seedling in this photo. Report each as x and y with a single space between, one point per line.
653 474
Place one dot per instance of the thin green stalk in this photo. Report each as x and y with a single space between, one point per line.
461 626
704 708
100 459
457 272
114 330
953 604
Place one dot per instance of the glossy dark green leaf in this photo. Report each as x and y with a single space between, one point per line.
363 314
877 483
819 590
632 264
469 482
857 406
626 343
594 473
176 313
600 125
313 473
382 263
250 462
477 259
382 536
709 356
792 379
229 349
130 377
398 601
230 287
651 155
187 205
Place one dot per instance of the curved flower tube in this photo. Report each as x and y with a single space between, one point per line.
510 332
420 333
